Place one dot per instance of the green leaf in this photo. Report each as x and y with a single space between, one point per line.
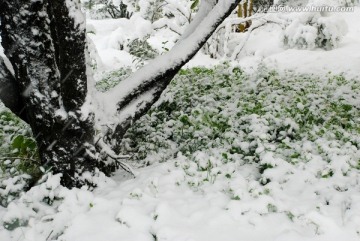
17 142
195 4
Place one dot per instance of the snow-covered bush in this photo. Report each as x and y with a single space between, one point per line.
350 3
215 120
100 9
311 30
151 10
37 200
301 30
133 40
111 79
178 11
141 49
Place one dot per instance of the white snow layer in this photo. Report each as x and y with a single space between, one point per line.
344 59
159 205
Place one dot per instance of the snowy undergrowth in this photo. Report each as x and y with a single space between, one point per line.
247 116
232 157
19 162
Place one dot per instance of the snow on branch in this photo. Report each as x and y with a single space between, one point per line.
204 9
138 92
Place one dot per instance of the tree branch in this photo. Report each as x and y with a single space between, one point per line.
135 95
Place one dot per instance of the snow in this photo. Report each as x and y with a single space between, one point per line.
109 34
153 204
345 59
166 202
75 12
204 9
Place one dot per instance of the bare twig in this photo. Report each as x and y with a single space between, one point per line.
188 18
111 154
170 28
20 158
238 50
49 235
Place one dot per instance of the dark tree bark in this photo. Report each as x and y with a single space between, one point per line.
10 93
46 46
50 71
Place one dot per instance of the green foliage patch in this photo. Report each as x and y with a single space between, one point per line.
19 160
237 118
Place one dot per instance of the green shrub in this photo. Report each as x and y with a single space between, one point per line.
111 79
20 166
141 48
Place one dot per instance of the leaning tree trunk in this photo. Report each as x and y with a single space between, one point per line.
156 76
46 47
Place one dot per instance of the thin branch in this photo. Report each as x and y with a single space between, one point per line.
111 154
188 18
157 10
239 48
20 158
162 24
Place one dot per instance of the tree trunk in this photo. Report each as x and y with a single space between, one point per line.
50 70
245 10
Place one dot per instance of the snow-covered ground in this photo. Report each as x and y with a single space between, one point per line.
161 204
152 207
